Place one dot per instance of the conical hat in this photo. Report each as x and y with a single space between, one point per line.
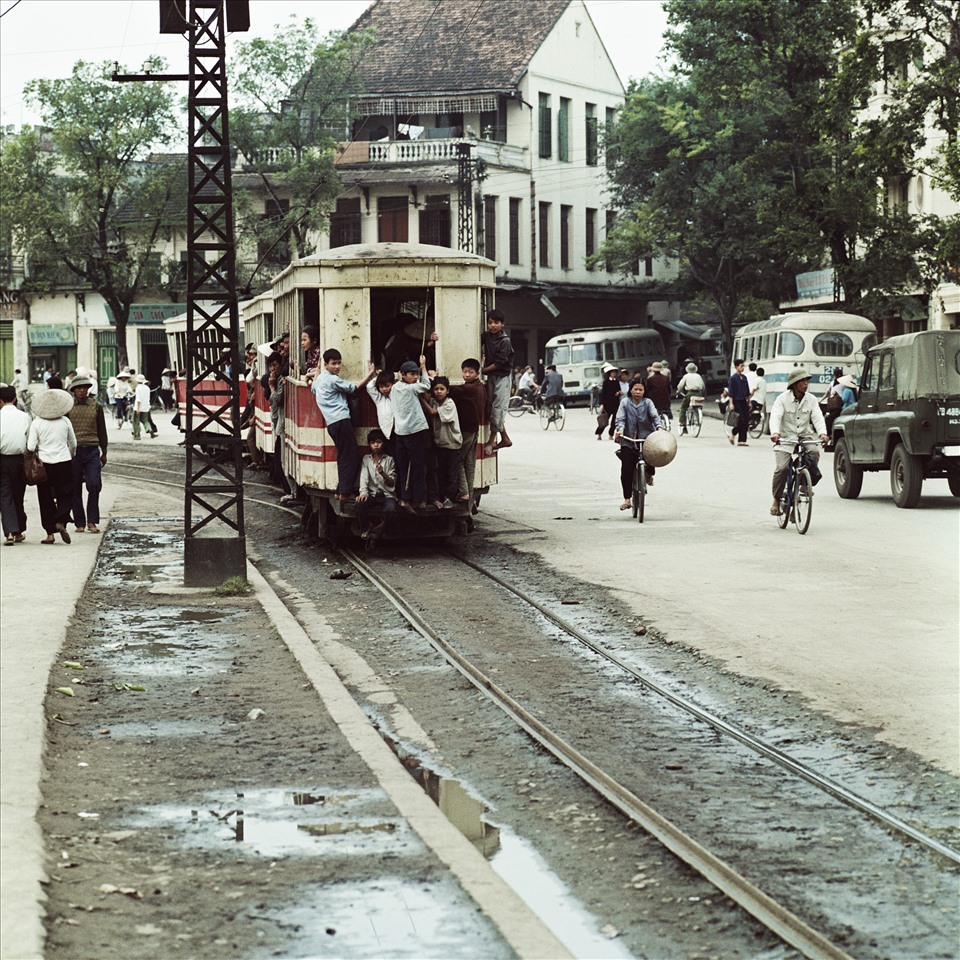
51 404
659 448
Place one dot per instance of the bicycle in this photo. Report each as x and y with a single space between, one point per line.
796 501
694 416
638 493
552 411
666 418
122 408
758 421
518 405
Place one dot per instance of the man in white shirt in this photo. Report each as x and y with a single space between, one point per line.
141 408
14 426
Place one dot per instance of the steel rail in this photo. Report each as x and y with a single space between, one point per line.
774 916
755 743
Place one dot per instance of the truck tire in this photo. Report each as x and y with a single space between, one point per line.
953 478
906 478
847 475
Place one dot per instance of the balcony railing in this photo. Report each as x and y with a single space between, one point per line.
386 152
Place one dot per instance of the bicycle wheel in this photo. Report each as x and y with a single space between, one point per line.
666 421
561 415
516 407
802 500
545 415
694 421
758 421
639 490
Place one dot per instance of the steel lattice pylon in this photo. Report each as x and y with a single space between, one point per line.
214 469
465 196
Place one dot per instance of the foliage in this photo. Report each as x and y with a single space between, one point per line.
233 587
766 153
291 95
83 200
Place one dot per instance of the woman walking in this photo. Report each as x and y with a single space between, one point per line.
52 437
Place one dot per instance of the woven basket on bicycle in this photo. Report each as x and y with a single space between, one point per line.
659 448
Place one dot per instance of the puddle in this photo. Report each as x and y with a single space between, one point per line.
175 729
274 823
129 541
516 861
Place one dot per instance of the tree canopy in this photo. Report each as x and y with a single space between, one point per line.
765 154
290 103
84 201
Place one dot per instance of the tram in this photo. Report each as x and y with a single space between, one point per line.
818 341
256 320
380 303
579 356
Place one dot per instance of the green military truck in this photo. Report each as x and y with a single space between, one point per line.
907 417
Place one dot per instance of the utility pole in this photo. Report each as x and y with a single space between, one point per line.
465 196
214 537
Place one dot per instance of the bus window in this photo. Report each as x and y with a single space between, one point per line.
558 355
888 372
832 345
870 340
585 352
608 351
791 344
767 352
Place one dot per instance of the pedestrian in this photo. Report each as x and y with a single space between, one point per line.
849 394
610 396
141 408
21 383
90 428
122 396
738 389
52 438
637 418
166 388
14 427
658 390
497 365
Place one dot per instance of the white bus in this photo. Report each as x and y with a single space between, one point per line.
579 355
818 341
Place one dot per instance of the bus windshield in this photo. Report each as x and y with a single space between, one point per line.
587 352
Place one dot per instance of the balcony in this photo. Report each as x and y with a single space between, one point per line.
388 152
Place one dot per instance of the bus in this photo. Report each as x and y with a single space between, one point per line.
580 355
818 341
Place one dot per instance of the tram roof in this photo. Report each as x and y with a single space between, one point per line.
811 320
363 252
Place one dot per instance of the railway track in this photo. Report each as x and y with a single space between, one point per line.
774 915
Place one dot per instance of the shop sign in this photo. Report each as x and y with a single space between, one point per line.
11 305
52 335
149 312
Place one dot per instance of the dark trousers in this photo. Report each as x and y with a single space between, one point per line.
448 473
412 460
379 502
12 488
55 496
276 466
742 406
628 461
348 456
87 470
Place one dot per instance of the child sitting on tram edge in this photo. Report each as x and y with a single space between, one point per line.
330 391
378 481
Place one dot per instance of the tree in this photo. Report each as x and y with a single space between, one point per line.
83 201
291 97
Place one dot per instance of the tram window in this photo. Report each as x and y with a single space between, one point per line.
888 372
832 345
791 344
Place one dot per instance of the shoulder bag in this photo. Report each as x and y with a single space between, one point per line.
34 471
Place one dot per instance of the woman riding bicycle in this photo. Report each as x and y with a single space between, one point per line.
637 418
796 415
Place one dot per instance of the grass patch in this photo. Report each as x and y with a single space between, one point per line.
233 587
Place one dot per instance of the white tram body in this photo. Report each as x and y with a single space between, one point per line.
579 356
818 341
363 299
256 320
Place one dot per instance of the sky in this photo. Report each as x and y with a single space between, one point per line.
44 38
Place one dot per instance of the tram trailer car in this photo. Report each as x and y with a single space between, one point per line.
213 392
256 320
579 356
817 341
379 302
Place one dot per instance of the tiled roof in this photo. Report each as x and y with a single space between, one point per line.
453 46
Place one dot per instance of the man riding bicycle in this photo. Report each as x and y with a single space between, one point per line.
796 415
691 385
552 388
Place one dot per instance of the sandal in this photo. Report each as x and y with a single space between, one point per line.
49 540
775 510
626 505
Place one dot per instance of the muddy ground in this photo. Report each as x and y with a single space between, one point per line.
146 854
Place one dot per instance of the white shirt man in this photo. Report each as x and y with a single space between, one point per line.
141 408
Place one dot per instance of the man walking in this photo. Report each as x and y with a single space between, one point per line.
90 426
738 389
141 408
14 426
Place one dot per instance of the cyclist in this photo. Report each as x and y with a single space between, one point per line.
691 385
611 393
552 389
796 415
637 418
527 386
